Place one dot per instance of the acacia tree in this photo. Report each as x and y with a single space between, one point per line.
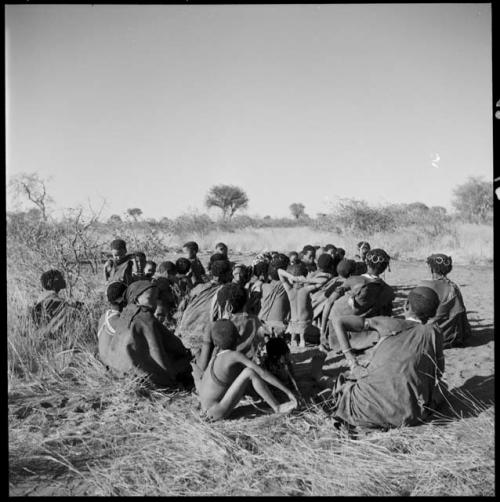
134 212
473 200
32 186
228 198
298 210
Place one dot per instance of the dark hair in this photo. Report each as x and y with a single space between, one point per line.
440 263
49 278
118 244
115 292
233 294
280 261
221 245
224 334
140 254
294 253
220 268
182 265
345 268
362 244
378 260
329 247
340 252
308 248
261 268
297 269
168 267
423 302
192 246
326 263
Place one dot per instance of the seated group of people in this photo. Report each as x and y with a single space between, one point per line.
228 329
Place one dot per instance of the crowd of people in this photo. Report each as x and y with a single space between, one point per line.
227 329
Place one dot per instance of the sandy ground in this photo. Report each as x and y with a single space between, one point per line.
470 369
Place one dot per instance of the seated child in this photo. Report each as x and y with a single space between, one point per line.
240 274
258 279
230 303
361 267
294 258
168 293
277 360
141 343
451 315
197 271
51 311
119 267
402 383
330 249
274 310
229 374
149 269
115 293
182 278
309 257
368 295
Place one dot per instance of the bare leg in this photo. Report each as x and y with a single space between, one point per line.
197 376
236 391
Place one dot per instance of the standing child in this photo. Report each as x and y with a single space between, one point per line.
229 374
139 263
119 267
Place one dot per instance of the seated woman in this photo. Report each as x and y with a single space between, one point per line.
142 343
451 315
229 374
51 311
367 295
402 384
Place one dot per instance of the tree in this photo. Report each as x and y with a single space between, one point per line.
114 219
473 200
228 198
134 212
32 186
297 209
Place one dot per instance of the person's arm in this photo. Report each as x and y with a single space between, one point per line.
207 348
107 266
264 374
286 279
328 308
348 323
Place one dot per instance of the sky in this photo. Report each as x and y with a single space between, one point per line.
149 106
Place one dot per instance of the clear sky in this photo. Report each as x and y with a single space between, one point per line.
148 106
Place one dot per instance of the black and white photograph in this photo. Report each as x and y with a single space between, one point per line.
249 249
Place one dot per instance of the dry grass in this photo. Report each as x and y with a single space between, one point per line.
466 243
71 422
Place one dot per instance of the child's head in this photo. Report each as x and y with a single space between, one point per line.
297 269
149 268
118 248
440 264
294 257
144 293
232 298
363 248
377 260
215 257
224 334
326 263
340 253
221 248
221 271
281 261
330 249
308 254
115 293
261 270
53 280
167 268
240 274
422 303
190 249
346 268
182 266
